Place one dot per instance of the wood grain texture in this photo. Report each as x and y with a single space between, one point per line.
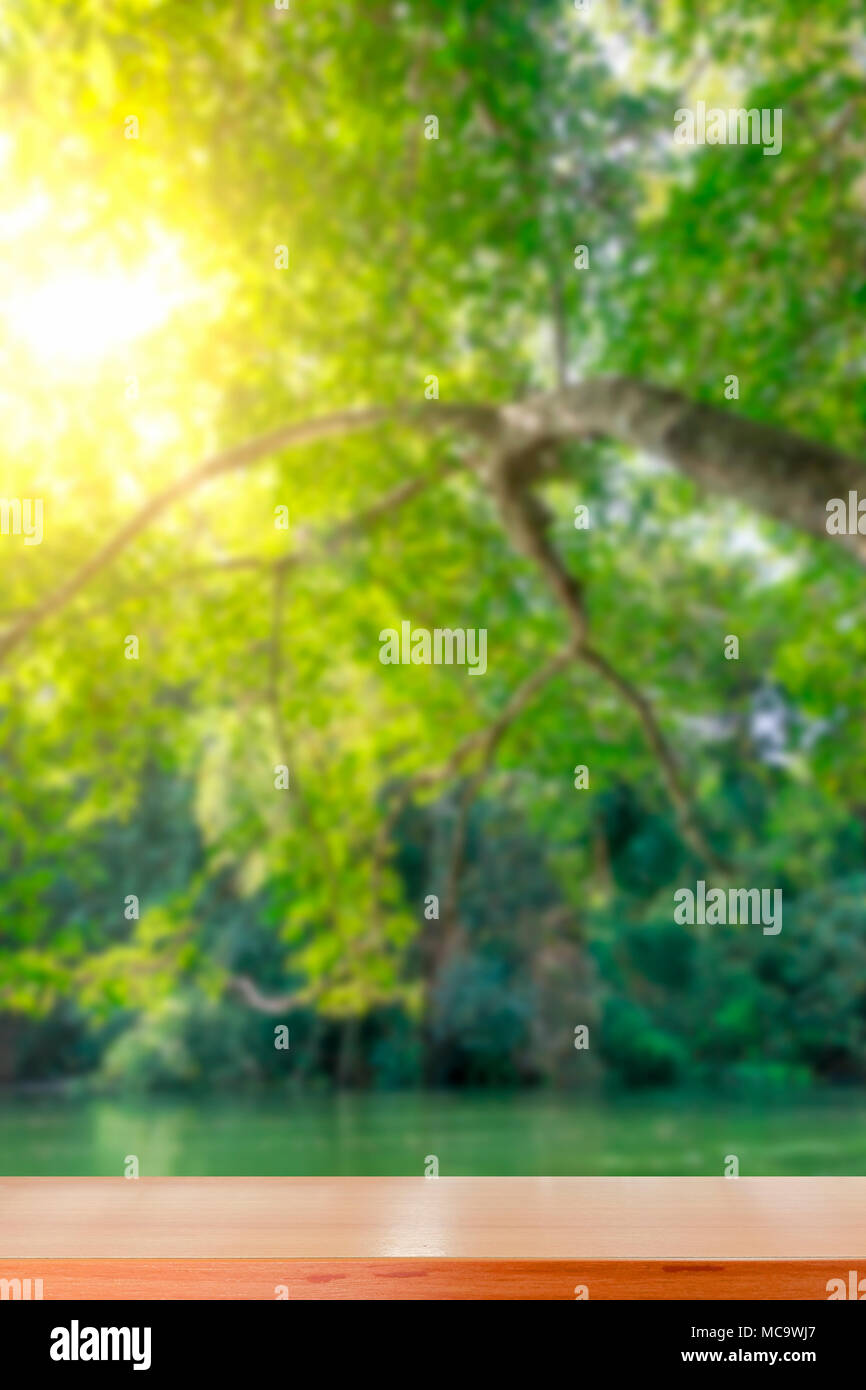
708 1219
444 1238
421 1279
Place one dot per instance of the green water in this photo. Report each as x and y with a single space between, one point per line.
534 1134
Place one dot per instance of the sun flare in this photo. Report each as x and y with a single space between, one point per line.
78 317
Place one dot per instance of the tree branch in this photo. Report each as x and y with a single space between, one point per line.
485 740
488 740
686 815
267 1003
777 473
480 419
527 523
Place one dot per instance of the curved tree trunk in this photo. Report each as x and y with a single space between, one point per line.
777 473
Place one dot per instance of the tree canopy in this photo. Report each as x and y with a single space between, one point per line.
323 264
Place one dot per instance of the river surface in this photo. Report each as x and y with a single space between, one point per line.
470 1133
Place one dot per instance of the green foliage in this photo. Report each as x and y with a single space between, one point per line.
408 257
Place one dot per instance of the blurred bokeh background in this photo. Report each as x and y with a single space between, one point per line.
164 907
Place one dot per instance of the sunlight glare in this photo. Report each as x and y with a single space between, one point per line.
80 317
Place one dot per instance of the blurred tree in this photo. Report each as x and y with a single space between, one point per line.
219 218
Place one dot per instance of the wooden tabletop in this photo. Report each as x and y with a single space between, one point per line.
677 1219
